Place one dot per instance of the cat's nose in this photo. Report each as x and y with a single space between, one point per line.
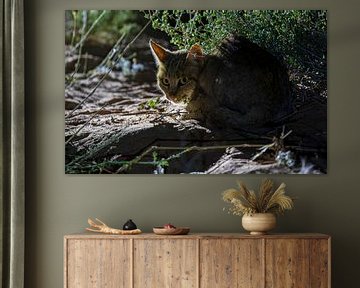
173 91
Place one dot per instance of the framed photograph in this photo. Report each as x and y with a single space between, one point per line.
196 91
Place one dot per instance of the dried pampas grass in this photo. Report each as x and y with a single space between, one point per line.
245 201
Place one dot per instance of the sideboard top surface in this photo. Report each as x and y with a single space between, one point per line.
87 235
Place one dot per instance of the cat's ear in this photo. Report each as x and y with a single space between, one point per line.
159 52
195 53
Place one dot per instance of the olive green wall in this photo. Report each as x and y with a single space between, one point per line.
58 204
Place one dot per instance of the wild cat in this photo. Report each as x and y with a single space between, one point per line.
241 85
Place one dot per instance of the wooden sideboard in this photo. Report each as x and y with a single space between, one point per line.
197 260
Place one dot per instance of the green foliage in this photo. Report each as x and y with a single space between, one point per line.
159 162
116 22
111 26
151 104
298 36
187 27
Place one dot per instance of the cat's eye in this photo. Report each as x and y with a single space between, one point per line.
183 80
165 81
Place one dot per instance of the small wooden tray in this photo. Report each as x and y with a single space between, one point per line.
171 231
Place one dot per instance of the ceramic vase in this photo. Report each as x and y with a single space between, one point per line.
259 223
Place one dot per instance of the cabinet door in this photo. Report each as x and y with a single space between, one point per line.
231 263
166 263
287 263
98 263
320 263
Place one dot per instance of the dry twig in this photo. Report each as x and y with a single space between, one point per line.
108 72
101 227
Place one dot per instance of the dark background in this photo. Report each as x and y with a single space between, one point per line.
58 204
